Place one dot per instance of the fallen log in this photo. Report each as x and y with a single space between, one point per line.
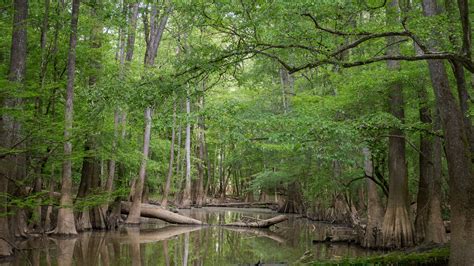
153 211
243 204
260 224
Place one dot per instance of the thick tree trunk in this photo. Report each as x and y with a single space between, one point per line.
89 169
375 213
397 230
164 201
9 129
134 215
428 223
458 155
293 202
461 182
186 201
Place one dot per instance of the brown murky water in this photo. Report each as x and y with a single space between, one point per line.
157 243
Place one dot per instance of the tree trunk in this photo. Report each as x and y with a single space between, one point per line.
186 201
131 31
66 224
458 155
8 130
397 230
111 166
114 216
134 215
463 96
209 168
375 213
164 201
428 223
200 165
293 202
152 41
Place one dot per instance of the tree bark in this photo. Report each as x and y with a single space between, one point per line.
66 224
397 230
200 165
428 223
111 166
375 212
463 96
9 129
134 215
114 216
186 201
458 155
131 31
164 201
152 41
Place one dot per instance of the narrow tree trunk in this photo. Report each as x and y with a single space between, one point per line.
463 96
397 228
111 166
458 155
200 164
209 169
134 215
131 31
186 201
166 191
152 40
114 216
66 224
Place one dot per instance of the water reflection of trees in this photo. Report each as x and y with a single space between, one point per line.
181 245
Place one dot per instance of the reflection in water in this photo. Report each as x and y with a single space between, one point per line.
162 244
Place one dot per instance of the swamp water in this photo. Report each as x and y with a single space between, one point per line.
157 243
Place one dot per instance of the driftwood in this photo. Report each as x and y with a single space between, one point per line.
260 224
153 211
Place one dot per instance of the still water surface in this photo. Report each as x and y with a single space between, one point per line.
157 243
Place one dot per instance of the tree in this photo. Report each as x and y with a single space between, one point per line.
461 181
186 201
65 222
153 38
10 134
